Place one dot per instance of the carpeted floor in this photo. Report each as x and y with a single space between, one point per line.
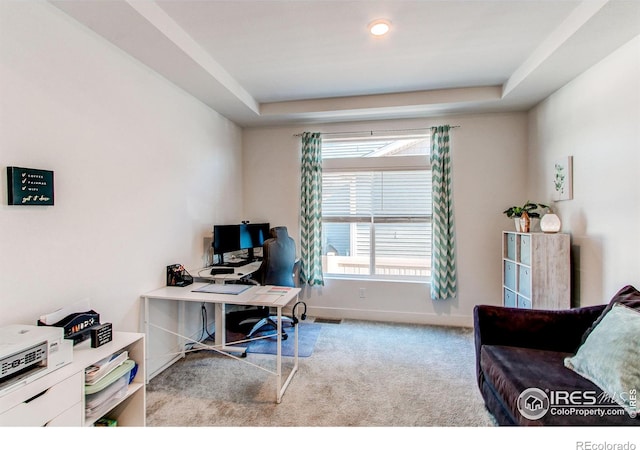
307 337
360 374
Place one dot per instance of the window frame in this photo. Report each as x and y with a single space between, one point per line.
378 164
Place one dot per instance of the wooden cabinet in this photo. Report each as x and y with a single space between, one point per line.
536 270
58 398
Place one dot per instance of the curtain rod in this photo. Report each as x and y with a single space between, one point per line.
371 132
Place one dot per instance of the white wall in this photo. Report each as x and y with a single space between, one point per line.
596 119
142 171
489 158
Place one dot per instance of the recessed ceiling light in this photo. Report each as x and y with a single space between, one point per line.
379 27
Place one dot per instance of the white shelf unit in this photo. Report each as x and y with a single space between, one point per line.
58 398
129 410
536 270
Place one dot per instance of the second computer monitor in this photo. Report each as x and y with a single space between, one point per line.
258 233
245 236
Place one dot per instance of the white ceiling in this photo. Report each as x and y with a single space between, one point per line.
262 62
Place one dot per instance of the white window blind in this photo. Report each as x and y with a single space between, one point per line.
376 207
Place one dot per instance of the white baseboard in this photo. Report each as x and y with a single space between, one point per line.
392 316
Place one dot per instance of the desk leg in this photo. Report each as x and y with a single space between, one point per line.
279 355
281 388
181 341
221 331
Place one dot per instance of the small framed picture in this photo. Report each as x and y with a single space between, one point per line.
563 178
29 186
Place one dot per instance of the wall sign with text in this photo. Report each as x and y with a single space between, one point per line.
29 186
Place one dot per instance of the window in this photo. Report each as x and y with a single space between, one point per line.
376 207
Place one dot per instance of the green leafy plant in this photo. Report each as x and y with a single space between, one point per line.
529 207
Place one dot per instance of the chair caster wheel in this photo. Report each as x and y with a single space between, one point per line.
284 337
243 355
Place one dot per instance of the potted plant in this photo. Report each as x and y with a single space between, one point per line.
523 214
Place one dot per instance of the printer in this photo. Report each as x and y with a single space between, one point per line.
28 352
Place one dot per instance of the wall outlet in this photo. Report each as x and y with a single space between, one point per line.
363 292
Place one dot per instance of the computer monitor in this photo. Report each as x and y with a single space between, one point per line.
259 232
226 238
246 242
245 236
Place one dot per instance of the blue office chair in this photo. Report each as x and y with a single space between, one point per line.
279 268
278 259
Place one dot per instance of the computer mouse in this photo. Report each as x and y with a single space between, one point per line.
240 273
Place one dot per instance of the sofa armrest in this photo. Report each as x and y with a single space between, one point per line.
560 330
557 330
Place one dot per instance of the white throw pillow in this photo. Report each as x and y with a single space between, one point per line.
610 357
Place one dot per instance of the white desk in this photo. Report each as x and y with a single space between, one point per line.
253 296
238 273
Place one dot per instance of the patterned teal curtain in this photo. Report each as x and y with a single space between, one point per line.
311 210
443 258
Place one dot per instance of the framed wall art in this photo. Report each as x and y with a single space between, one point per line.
563 178
29 186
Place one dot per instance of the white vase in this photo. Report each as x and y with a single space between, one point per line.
550 223
517 222
525 223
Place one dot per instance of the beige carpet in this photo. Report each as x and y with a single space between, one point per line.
360 374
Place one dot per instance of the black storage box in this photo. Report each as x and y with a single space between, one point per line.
77 326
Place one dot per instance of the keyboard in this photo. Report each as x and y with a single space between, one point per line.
236 263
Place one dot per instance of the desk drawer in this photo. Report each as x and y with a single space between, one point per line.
45 406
